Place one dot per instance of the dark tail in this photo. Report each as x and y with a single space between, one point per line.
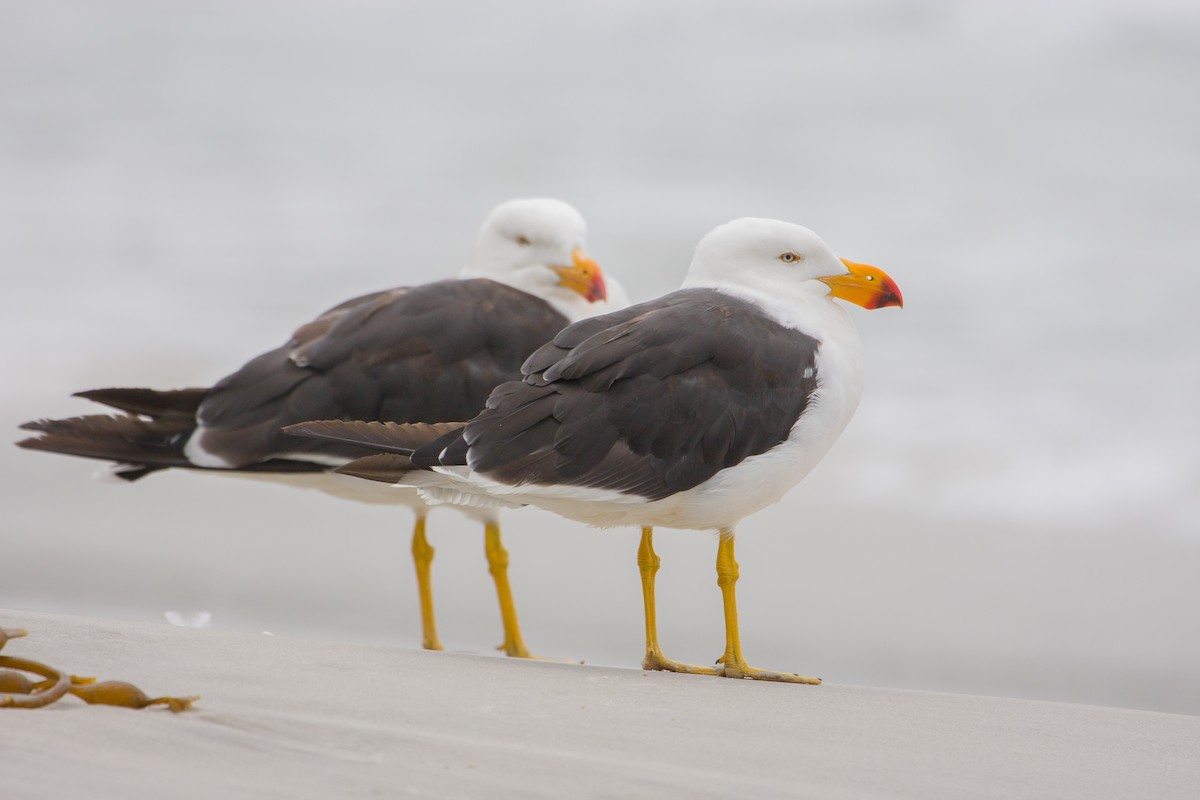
143 445
148 442
139 445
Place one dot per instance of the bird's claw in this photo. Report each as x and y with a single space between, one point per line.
656 661
738 669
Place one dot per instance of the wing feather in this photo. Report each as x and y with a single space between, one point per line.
652 400
425 354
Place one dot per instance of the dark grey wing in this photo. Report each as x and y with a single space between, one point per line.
424 354
652 400
572 336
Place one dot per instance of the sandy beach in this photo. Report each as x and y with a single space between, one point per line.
284 717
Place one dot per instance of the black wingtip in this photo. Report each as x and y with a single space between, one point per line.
386 437
155 403
314 429
384 468
363 434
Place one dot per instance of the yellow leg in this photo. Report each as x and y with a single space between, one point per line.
422 556
497 558
733 665
648 563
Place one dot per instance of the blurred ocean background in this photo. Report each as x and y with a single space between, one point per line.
1015 509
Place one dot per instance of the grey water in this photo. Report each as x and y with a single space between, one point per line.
1015 508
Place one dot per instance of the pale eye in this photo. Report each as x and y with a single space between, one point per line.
789 258
524 242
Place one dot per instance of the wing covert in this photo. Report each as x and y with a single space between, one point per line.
652 400
424 354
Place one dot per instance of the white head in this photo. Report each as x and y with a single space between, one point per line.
537 246
782 261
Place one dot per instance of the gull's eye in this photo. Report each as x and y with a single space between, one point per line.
789 258
524 242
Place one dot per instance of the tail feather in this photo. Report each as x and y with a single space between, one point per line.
389 437
155 443
149 402
139 446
